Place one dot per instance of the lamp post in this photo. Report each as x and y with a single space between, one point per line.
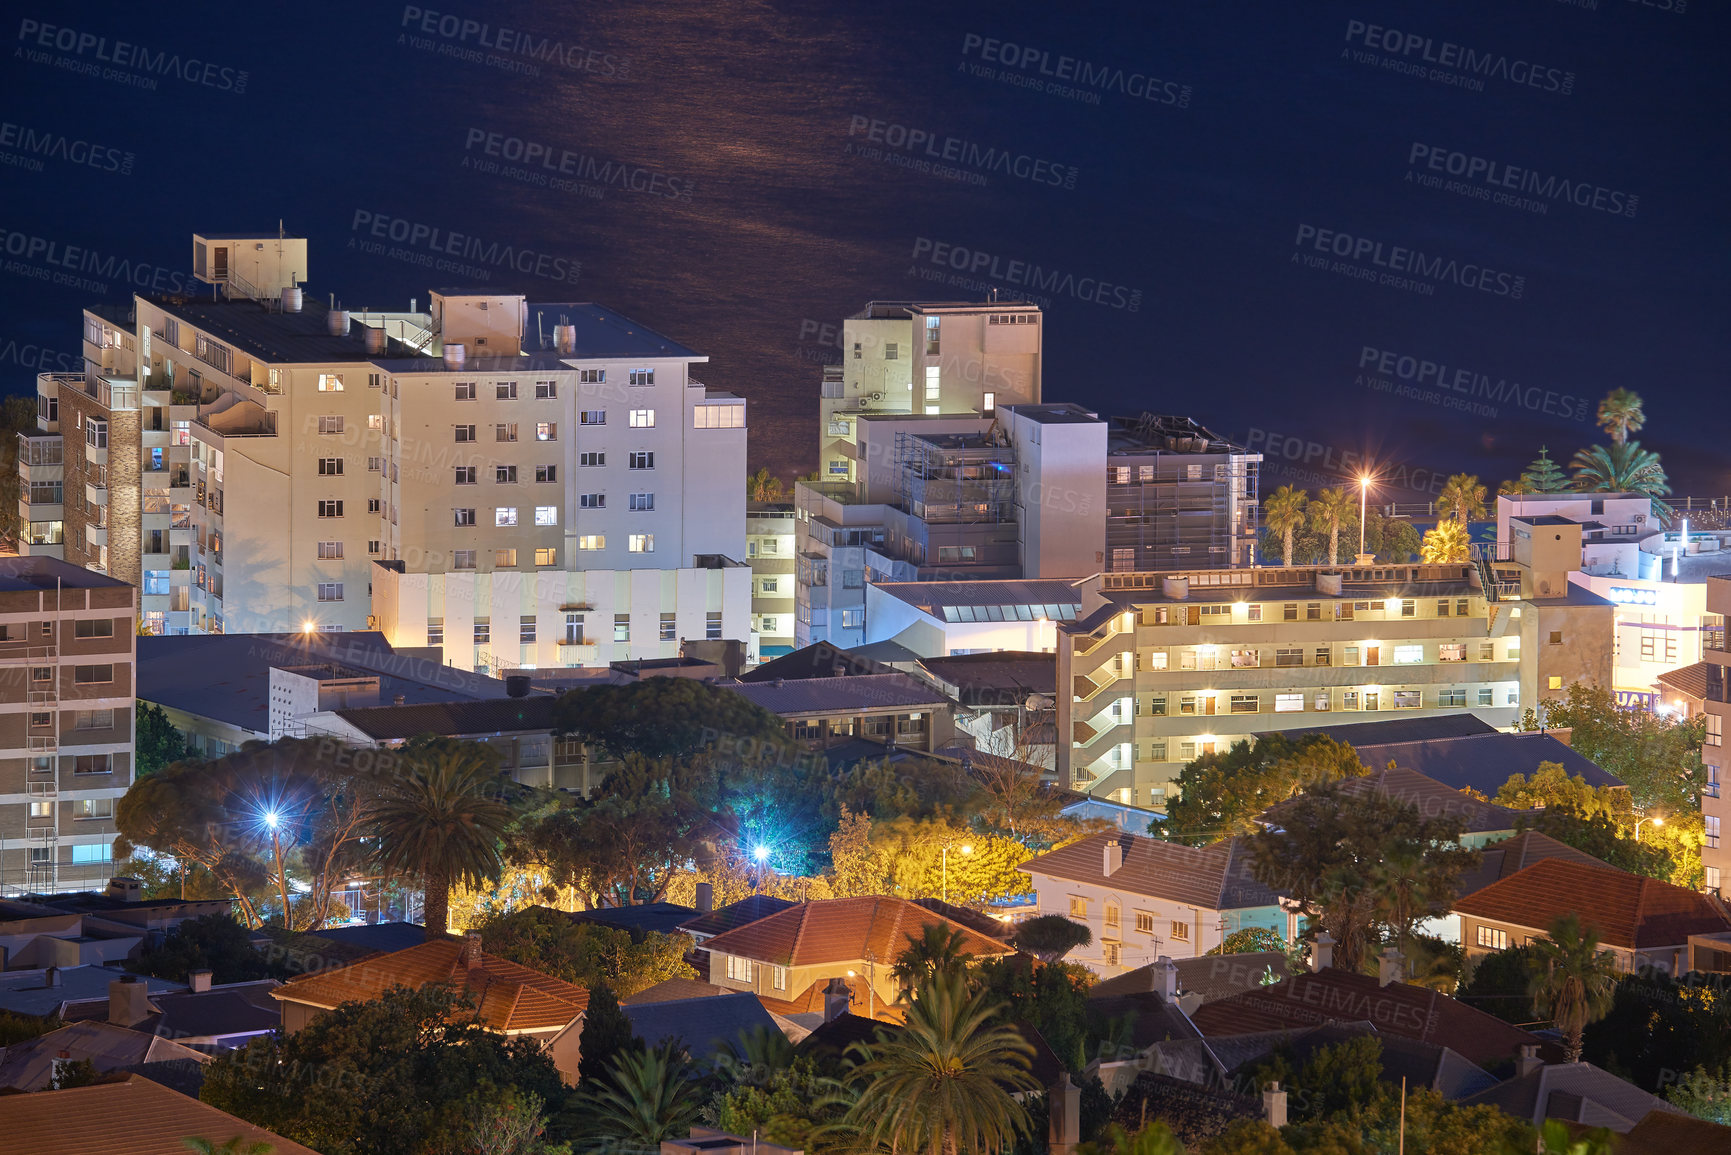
966 848
1363 511
1656 820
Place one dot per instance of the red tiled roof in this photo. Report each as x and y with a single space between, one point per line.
1399 1009
509 998
134 1117
1502 859
1690 681
1627 910
839 930
1216 877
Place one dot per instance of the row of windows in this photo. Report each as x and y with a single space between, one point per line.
1344 611
505 515
504 431
1113 920
1223 658
1293 701
507 474
574 629
507 390
81 808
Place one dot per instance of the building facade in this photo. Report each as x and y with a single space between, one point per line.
769 550
67 657
1716 704
546 478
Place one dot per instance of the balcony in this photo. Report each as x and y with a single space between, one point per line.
96 493
96 535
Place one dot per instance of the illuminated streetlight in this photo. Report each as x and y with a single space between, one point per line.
271 819
309 626
965 848
760 853
1363 509
1656 820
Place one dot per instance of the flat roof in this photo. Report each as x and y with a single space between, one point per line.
935 597
1066 413
1548 519
602 334
46 573
273 335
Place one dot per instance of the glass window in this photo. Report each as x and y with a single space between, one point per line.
1408 655
642 419
622 627
505 515
546 515
1288 703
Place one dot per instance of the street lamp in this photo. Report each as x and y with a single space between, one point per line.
965 848
1363 510
1656 820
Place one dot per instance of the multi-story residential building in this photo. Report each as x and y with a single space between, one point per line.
309 458
937 357
769 550
1716 706
1656 577
1036 491
67 650
1161 668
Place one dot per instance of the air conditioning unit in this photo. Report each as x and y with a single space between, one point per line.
878 396
1639 518
1544 589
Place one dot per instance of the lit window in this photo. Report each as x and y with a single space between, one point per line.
505 515
330 383
1554 682
546 431
504 559
643 419
1408 655
640 543
1493 938
1078 907
544 557
1180 931
592 417
591 541
1288 703
546 515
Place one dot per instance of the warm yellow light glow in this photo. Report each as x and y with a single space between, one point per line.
308 626
1364 482
1658 822
967 848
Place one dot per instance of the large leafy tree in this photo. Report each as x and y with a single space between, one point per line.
1463 497
1284 515
1049 937
671 718
1658 758
1327 850
943 1082
585 953
1621 413
1623 468
216 943
440 819
1051 997
763 487
287 816
1221 794
1332 509
1571 980
1447 542
400 1075
159 743
1659 1026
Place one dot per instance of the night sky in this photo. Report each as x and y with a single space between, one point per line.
1428 236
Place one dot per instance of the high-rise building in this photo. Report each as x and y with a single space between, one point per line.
523 484
68 640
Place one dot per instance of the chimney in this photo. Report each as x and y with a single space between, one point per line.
471 950
517 685
128 1001
1064 1108
1528 1062
1166 975
1322 951
51 977
1390 967
399 699
1114 857
199 981
836 1000
1274 1105
705 897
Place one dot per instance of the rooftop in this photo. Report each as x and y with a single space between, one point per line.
657 917
1215 877
1018 600
1056 414
1003 678
813 696
602 334
134 1117
704 1025
838 930
1484 761
1156 433
271 335
1576 1092
736 914
1627 910
1498 860
47 573
818 660
28 992
29 1065
1431 798
1399 730
1689 681
1211 976
453 719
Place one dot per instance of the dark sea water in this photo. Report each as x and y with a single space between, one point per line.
1168 192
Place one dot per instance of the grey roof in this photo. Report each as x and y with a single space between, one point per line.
29 1065
1498 860
1485 761
675 990
25 992
818 660
383 937
660 917
237 1009
602 334
1576 1092
1004 678
809 696
1429 797
704 1025
46 573
454 719
1211 976
286 338
1062 595
736 914
1420 1064
1066 413
227 676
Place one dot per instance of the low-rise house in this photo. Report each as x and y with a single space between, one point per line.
84 928
705 1141
1574 1093
1481 821
133 1117
1005 702
790 956
510 999
892 708
1484 762
705 1026
1142 897
36 1064
1641 921
80 992
1509 856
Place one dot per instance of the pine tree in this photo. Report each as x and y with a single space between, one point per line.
606 1033
1545 475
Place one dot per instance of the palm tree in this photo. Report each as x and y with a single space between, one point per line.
1284 514
1570 980
1332 509
1463 497
943 1083
441 820
939 950
1515 487
1621 413
1447 542
649 1096
1622 469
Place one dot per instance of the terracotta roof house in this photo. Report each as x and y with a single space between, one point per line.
1575 1093
135 1117
1668 1133
1142 897
734 914
791 955
1641 920
510 999
1331 995
1499 860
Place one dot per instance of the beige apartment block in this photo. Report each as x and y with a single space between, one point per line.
67 654
1715 803
1163 668
770 543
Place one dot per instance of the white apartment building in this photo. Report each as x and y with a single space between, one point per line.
522 484
770 545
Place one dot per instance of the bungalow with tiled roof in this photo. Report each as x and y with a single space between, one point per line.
510 999
1142 897
787 958
1642 921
